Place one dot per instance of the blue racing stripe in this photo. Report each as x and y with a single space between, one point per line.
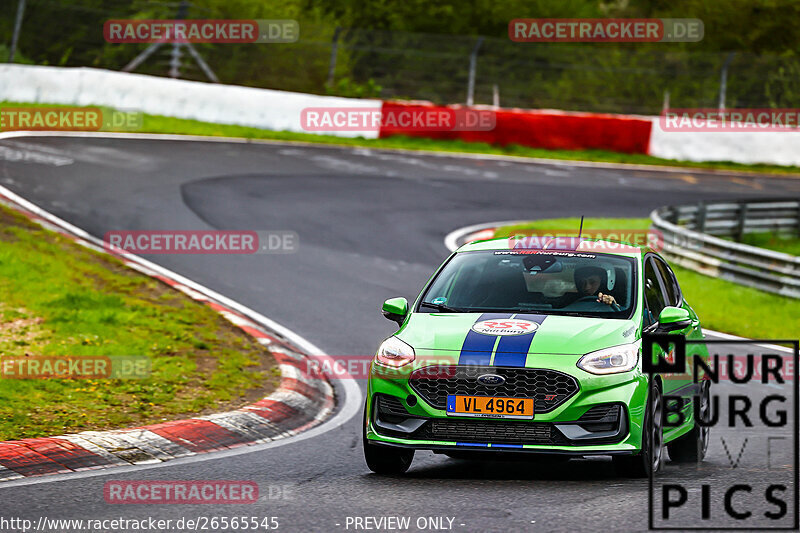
477 348
506 446
471 444
512 350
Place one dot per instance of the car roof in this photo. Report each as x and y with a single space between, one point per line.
543 244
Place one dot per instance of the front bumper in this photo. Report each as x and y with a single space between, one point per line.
603 417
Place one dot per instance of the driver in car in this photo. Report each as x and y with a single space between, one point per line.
588 281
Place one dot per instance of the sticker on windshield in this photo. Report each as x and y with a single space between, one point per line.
502 327
545 252
441 300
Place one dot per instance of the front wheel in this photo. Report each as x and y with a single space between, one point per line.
692 447
647 461
385 459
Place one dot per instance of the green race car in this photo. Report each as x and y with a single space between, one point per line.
536 347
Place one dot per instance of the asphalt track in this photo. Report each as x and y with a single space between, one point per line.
371 226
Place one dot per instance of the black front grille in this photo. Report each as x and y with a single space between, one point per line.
603 417
390 405
548 388
606 412
495 432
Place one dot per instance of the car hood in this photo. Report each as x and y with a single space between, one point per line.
452 333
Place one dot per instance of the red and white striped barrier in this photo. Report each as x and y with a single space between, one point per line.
551 129
567 130
284 111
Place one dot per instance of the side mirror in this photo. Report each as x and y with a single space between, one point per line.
395 309
673 319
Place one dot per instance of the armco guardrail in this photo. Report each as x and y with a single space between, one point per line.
692 240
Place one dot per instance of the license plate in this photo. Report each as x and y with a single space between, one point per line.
489 407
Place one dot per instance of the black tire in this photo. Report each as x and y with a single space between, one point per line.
640 465
692 447
385 460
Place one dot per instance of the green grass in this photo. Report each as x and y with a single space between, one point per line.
60 299
162 124
721 305
779 242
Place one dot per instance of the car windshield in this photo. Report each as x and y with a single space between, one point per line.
557 283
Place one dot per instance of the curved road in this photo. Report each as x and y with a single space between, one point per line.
371 226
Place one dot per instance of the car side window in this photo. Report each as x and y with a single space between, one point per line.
670 283
653 295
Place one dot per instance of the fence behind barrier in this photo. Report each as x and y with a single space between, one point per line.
693 239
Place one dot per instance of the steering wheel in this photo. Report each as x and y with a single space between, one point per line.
590 298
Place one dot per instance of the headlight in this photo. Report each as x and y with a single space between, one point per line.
610 360
394 353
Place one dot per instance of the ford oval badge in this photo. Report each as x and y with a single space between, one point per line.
491 380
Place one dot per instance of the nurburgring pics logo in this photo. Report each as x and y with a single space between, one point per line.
201 31
322 119
586 30
736 120
742 397
201 242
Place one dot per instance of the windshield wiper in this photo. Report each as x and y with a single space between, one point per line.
441 308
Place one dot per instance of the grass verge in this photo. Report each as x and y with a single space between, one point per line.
779 242
721 305
58 298
171 125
